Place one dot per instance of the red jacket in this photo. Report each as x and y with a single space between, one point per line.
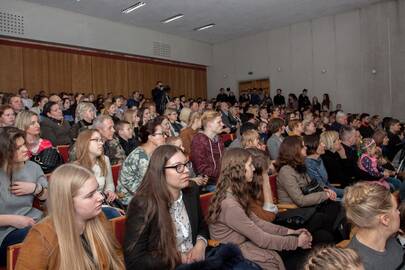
206 155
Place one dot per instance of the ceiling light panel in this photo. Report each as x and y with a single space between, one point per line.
204 27
173 18
133 7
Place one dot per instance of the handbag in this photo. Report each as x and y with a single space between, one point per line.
312 187
49 159
295 218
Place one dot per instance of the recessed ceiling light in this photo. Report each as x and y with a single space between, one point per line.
173 18
133 7
204 27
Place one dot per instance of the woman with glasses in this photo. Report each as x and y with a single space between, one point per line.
75 234
135 165
169 230
90 154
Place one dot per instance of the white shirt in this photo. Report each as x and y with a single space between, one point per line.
182 225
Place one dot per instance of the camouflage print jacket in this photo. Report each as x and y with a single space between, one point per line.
114 151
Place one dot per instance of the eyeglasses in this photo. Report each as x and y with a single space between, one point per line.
99 140
160 133
179 167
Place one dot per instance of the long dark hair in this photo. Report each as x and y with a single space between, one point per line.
157 199
290 154
261 162
232 178
8 138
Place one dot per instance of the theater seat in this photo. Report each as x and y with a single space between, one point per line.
205 200
64 152
227 137
116 173
273 185
118 226
12 255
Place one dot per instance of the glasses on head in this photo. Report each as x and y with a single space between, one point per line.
179 167
160 133
98 140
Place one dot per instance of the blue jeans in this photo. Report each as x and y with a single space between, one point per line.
110 212
15 237
339 192
394 183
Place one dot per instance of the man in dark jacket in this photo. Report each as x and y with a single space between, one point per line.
365 130
303 101
279 99
394 144
222 96
160 97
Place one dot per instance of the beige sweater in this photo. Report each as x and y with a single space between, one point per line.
257 239
289 184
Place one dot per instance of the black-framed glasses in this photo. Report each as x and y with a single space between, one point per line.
164 134
179 167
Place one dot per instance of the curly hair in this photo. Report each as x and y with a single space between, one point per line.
290 154
231 179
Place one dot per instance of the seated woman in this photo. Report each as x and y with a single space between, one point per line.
231 220
292 187
188 133
170 229
90 154
21 181
314 164
135 165
53 127
111 109
374 211
333 258
76 234
261 197
131 116
85 114
335 160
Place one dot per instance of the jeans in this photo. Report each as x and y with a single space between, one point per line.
15 237
339 192
394 183
110 212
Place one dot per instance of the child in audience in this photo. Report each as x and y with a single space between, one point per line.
90 154
126 136
369 162
165 227
76 234
21 181
333 258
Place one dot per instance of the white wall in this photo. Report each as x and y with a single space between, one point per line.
56 25
348 46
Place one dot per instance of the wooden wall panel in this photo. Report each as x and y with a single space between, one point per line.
60 71
35 70
81 74
11 72
117 76
37 67
99 75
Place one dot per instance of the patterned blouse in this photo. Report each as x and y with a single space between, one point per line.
182 225
132 173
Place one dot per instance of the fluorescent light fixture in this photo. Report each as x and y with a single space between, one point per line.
204 27
173 18
133 7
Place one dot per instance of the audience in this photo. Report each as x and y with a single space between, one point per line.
21 181
125 135
85 114
276 129
53 126
7 116
75 234
188 133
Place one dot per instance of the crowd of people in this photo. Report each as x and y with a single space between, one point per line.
335 170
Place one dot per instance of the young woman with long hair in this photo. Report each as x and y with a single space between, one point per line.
76 234
90 154
131 116
231 220
21 181
165 227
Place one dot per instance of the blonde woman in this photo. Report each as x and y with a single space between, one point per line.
85 114
132 117
90 154
333 258
184 116
374 211
76 234
188 133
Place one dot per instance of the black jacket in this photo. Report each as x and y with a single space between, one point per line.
58 132
143 255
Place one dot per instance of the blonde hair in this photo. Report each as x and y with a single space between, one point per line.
82 107
23 119
364 201
328 138
208 116
65 183
248 137
194 117
129 116
333 258
185 115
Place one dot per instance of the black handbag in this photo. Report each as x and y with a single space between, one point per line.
295 218
312 187
49 159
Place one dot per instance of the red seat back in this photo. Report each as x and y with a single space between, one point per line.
115 169
64 152
205 201
273 186
12 255
118 225
227 137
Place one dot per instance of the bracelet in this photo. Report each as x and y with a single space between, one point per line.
35 189
39 194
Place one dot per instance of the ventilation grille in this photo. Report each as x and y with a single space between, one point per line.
11 23
161 49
